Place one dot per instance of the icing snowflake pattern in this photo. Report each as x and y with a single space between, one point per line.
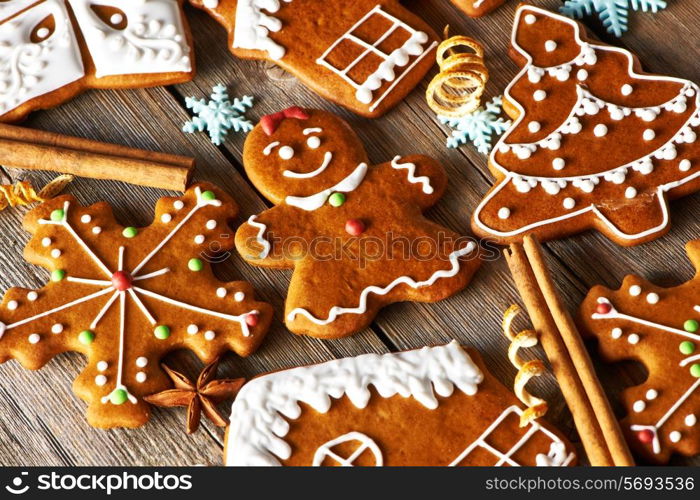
612 13
477 127
123 297
219 115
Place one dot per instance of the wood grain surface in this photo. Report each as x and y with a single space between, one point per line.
43 422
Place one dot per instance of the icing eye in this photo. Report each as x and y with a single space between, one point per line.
43 30
313 142
111 16
286 153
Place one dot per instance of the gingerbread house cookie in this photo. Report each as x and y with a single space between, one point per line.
354 233
125 296
596 142
50 50
365 55
407 408
660 327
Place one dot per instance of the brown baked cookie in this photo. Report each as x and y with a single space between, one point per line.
51 50
365 55
477 8
354 234
408 408
124 297
596 142
659 327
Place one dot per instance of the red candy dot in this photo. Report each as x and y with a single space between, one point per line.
122 281
355 227
252 319
603 308
645 436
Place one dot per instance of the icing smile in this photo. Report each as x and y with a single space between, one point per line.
296 175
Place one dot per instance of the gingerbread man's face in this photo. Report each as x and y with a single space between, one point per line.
287 156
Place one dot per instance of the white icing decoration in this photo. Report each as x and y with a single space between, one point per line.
199 239
141 377
336 311
534 127
253 27
12 305
259 238
312 130
239 296
211 224
100 380
178 205
639 406
581 74
261 409
268 149
569 203
558 163
366 443
211 4
539 95
411 168
690 420
503 213
57 328
648 135
221 292
29 70
633 338
600 130
46 242
327 157
572 125
652 394
209 335
286 152
55 253
141 362
674 436
684 165
116 19
550 45
32 296
313 142
102 366
34 338
616 333
635 290
413 46
96 230
166 218
153 40
192 329
85 218
313 202
630 192
653 298
530 19
626 89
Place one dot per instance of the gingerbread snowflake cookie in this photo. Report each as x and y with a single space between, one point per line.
365 55
477 8
50 50
407 408
125 297
596 143
354 233
660 327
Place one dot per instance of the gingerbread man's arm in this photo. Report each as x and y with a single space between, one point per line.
263 239
417 179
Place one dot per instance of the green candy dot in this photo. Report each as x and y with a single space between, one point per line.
58 215
58 275
86 337
695 370
691 325
161 332
130 232
687 347
118 397
208 195
336 199
195 265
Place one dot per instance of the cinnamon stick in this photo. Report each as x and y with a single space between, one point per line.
579 356
32 149
592 437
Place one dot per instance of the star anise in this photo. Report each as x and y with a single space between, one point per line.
200 397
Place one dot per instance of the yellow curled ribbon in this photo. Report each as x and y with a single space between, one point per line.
457 89
527 369
23 193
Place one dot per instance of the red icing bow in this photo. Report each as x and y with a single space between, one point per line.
269 123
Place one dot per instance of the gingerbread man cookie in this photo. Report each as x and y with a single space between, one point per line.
50 50
660 327
400 409
365 55
125 297
477 8
596 142
354 234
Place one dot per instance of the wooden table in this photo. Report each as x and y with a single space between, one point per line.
43 422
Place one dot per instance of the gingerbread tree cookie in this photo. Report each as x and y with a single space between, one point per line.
660 327
365 55
354 234
477 8
51 50
596 143
125 297
400 409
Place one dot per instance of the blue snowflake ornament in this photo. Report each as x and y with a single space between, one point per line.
219 115
477 127
612 13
